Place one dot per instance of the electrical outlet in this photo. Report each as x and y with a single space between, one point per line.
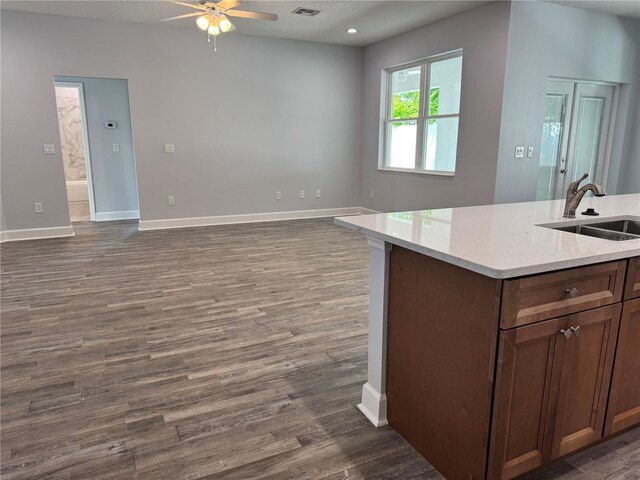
116 147
317 193
49 149
278 195
172 200
519 152
301 193
38 207
530 152
371 194
169 148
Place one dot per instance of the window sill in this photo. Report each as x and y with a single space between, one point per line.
418 172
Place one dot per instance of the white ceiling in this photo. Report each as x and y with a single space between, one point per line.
375 20
623 8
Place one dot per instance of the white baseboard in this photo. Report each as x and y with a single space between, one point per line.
374 405
146 225
36 233
124 215
368 211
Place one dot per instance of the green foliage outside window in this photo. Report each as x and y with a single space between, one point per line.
407 104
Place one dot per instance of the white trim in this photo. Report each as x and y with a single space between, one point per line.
124 215
36 233
374 405
368 211
85 140
162 224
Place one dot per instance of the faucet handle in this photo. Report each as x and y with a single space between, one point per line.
573 186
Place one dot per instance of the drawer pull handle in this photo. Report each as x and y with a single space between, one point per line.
572 292
575 330
566 333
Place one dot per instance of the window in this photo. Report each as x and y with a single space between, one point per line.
421 131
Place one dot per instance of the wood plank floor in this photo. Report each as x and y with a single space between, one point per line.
233 352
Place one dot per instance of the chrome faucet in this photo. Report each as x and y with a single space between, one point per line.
574 195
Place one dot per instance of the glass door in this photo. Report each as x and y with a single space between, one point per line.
555 139
588 142
575 134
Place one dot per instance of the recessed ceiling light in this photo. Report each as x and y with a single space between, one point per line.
352 30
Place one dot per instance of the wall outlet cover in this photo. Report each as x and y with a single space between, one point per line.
38 207
519 152
278 195
49 149
530 152
301 193
116 147
172 200
317 193
169 148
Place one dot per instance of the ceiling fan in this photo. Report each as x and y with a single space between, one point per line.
212 16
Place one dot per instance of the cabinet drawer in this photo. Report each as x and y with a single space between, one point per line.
632 287
540 297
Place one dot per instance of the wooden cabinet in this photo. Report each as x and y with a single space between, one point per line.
624 402
566 373
632 286
551 392
548 295
582 373
523 383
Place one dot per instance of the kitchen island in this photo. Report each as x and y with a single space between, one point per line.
498 343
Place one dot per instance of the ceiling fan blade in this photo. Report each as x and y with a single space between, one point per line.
255 15
190 5
186 15
228 4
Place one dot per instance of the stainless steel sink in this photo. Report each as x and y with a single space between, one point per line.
616 230
624 226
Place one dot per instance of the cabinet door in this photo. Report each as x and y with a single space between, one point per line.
521 438
582 373
624 401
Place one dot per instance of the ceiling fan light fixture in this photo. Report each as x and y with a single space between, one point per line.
203 22
214 27
224 23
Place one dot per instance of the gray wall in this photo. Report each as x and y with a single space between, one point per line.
258 116
482 34
114 173
551 40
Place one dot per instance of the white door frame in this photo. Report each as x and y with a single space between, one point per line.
85 140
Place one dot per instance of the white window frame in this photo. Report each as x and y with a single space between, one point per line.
423 115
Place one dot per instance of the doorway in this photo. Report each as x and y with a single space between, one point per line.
97 129
576 134
72 122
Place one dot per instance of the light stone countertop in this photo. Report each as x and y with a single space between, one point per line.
505 241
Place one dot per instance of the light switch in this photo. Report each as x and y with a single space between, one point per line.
530 152
519 152
116 147
168 148
49 149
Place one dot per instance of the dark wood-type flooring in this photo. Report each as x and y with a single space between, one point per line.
232 352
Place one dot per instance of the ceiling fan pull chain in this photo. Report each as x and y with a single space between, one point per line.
215 43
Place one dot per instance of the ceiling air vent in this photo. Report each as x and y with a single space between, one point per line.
305 12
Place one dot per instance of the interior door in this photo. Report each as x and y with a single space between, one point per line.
555 138
588 135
